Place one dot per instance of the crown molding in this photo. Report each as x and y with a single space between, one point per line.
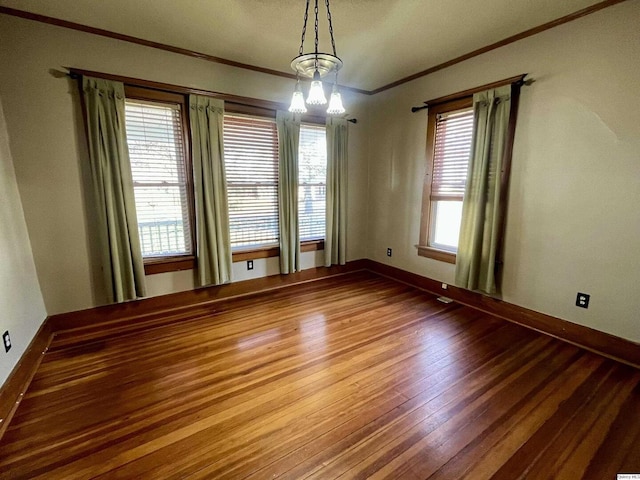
514 38
225 61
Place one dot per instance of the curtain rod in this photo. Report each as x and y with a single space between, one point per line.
518 81
75 74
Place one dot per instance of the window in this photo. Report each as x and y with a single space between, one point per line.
158 136
449 135
158 139
155 125
251 162
312 178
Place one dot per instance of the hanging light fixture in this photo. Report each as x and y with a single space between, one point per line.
315 66
297 101
316 92
335 103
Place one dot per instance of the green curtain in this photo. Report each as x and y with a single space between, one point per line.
122 263
288 140
481 209
206 116
335 244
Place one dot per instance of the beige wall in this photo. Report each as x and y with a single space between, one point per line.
21 307
574 209
49 150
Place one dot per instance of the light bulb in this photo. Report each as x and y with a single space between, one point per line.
297 101
335 103
316 93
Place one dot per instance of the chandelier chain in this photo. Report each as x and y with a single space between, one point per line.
316 26
304 27
333 43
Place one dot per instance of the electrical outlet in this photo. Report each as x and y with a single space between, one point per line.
6 339
389 252
249 264
582 300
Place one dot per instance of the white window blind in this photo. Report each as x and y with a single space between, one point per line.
251 162
312 178
451 156
156 150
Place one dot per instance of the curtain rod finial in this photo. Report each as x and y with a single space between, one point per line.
58 73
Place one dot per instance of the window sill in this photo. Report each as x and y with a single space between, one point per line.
254 253
156 265
169 264
268 252
436 254
311 245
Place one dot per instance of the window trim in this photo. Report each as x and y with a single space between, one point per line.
154 265
268 252
424 249
171 263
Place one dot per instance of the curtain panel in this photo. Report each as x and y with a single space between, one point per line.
335 245
213 245
481 211
288 126
112 181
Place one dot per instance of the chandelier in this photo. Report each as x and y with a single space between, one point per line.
316 66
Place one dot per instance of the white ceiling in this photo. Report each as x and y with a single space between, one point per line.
380 41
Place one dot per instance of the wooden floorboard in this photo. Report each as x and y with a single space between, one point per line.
355 376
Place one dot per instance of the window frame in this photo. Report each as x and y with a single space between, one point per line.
258 248
314 245
153 265
427 217
269 251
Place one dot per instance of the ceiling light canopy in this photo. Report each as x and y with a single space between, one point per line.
316 66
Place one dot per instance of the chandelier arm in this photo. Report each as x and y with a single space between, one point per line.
304 27
333 43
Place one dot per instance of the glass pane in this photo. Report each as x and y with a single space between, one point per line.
154 137
446 226
251 161
161 221
454 131
253 218
312 177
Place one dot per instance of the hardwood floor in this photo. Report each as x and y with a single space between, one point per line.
354 376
